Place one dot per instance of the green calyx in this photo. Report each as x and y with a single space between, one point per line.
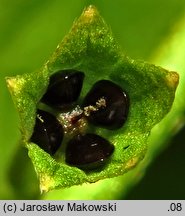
90 47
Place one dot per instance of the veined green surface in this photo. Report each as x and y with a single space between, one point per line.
90 47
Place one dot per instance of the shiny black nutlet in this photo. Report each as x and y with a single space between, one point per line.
113 114
48 132
89 151
64 88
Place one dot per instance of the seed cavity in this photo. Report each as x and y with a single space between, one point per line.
106 105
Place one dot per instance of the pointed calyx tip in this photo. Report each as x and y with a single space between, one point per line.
90 11
10 82
172 79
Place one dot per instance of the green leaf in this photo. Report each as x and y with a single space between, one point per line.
90 47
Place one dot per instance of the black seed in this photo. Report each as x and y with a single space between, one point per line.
114 113
64 88
88 151
48 132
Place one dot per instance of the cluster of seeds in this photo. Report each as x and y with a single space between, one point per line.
105 105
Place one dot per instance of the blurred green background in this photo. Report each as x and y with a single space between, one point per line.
30 32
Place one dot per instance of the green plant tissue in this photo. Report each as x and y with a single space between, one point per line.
90 47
